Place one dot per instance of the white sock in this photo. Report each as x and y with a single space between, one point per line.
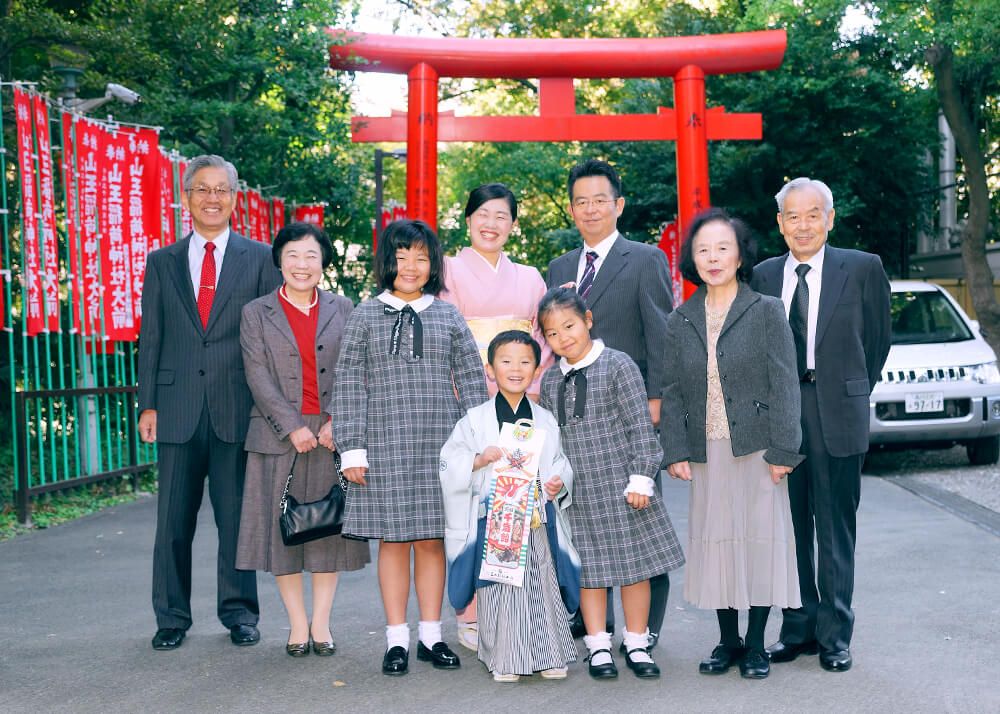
430 632
398 636
638 641
600 641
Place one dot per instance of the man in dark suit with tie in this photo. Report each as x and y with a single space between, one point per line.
194 401
626 286
838 307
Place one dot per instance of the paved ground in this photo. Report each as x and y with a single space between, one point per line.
76 627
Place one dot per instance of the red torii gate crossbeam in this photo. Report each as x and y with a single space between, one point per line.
556 62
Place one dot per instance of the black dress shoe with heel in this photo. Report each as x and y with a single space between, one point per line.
324 649
396 661
835 660
601 671
297 649
788 651
642 670
755 665
244 635
722 658
168 638
440 655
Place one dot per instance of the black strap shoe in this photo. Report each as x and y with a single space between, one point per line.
168 638
755 665
440 655
396 661
601 671
722 658
835 660
244 635
642 670
788 651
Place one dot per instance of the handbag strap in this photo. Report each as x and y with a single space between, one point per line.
283 503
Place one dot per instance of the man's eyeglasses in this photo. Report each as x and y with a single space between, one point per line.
583 204
221 192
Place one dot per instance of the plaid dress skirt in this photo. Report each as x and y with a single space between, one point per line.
612 440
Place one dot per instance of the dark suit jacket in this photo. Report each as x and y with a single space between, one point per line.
760 389
853 334
630 300
274 366
181 364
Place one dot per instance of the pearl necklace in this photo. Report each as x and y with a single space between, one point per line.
304 308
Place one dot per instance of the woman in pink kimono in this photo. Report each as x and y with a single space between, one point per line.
493 294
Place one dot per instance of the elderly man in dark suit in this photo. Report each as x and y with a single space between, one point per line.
626 285
194 401
838 307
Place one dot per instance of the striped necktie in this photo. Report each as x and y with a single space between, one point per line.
587 280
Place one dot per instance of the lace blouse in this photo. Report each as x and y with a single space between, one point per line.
716 420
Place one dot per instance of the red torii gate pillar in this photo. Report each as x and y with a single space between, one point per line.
555 62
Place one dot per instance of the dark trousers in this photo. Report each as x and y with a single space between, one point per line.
824 492
182 472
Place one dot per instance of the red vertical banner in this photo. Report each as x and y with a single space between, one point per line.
670 244
236 222
266 232
142 217
47 199
312 213
167 233
71 191
116 251
253 215
278 211
91 145
33 311
186 225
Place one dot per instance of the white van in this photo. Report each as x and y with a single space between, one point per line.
940 385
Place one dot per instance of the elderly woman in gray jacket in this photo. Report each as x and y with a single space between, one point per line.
730 424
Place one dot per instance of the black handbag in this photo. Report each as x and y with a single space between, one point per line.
303 522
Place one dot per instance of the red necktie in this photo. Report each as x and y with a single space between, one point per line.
206 288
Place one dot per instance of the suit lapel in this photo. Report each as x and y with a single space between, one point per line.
326 312
233 268
771 277
744 299
565 268
276 316
612 265
182 279
693 310
834 279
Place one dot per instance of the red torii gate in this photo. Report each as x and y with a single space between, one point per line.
556 62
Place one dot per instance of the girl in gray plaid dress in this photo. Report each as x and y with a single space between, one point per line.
403 357
620 525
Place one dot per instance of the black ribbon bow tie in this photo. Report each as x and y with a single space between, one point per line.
579 377
416 330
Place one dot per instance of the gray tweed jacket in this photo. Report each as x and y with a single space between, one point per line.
756 357
274 367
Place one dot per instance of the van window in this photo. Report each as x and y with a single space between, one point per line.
926 317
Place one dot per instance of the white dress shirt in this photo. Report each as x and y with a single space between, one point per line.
814 280
602 249
196 256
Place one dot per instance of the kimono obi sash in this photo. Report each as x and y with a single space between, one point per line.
484 329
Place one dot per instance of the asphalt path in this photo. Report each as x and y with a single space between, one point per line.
77 622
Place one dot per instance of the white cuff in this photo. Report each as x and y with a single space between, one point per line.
354 458
642 485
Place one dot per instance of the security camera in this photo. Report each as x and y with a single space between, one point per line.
122 94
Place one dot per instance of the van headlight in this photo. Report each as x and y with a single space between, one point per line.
985 373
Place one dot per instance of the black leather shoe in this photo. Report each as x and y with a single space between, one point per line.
396 661
602 671
168 638
297 649
244 635
755 665
576 626
654 637
722 658
440 655
642 670
324 649
835 660
786 652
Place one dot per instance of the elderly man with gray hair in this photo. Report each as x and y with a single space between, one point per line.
837 302
194 402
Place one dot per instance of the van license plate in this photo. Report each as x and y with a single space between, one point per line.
919 402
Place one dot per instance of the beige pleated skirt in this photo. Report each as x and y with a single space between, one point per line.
260 546
741 546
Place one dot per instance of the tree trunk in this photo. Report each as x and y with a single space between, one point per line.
973 240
